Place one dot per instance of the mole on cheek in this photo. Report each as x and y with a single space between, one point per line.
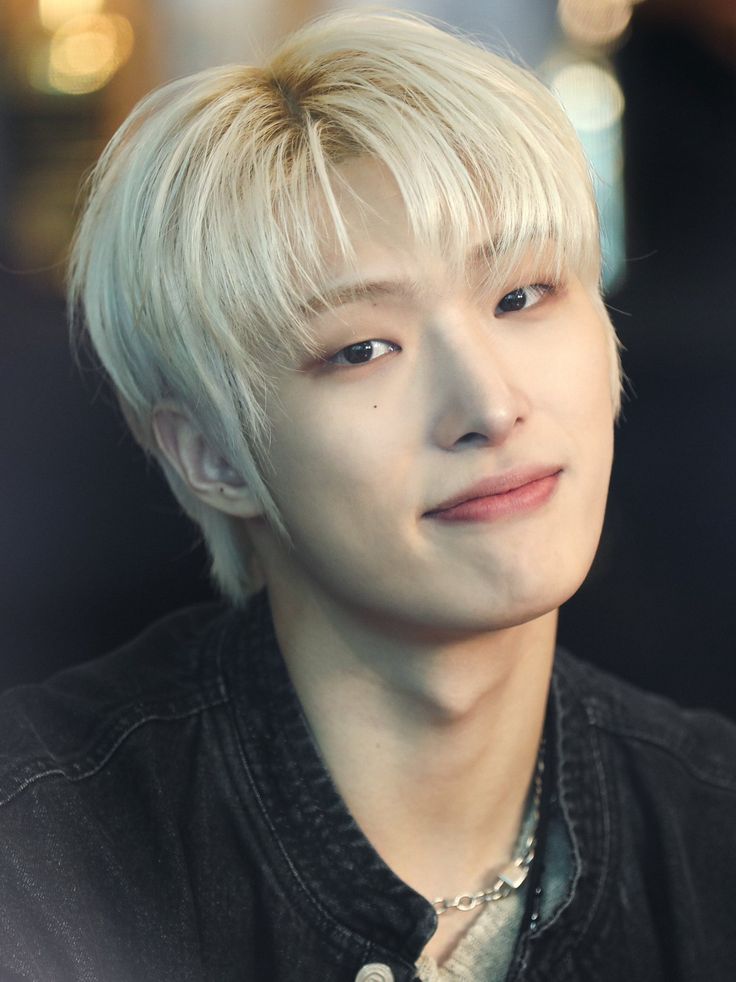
375 407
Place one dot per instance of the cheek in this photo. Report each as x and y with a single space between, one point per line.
340 495
579 401
331 471
592 426
588 375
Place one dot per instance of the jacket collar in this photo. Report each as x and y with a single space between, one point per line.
321 853
584 796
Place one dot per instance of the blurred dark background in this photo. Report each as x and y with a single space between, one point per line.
92 546
659 605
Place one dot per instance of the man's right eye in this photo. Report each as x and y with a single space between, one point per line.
362 352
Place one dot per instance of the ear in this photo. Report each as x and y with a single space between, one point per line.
200 466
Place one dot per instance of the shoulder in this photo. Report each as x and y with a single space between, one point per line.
653 730
113 776
69 726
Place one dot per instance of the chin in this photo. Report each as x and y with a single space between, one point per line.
454 616
517 599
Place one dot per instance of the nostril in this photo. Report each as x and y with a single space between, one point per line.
471 439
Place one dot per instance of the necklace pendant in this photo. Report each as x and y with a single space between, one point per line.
513 875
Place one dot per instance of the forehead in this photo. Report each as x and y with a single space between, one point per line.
363 208
396 284
371 249
386 259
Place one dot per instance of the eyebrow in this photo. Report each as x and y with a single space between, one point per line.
360 292
401 289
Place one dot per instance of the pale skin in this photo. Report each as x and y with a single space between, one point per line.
422 650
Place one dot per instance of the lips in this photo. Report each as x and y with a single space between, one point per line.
520 487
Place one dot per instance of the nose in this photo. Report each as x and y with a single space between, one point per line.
477 394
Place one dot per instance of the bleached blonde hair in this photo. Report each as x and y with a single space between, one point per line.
198 242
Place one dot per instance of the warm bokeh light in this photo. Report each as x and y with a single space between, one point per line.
594 22
86 51
590 94
53 13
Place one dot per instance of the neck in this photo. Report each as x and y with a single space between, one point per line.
432 745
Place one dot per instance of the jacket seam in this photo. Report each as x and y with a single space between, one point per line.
581 929
74 774
715 778
607 832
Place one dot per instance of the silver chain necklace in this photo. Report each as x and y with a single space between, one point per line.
515 872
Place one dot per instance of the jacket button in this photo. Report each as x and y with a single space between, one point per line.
375 972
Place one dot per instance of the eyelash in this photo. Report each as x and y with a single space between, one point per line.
341 357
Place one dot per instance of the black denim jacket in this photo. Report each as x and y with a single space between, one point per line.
165 816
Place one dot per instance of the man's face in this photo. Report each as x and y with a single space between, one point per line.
429 388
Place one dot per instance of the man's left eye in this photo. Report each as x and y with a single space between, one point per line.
523 297
362 352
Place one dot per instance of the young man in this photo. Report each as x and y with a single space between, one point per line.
350 301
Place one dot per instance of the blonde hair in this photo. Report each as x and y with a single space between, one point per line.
198 243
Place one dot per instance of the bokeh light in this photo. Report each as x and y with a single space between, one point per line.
590 94
594 102
594 22
53 13
86 51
